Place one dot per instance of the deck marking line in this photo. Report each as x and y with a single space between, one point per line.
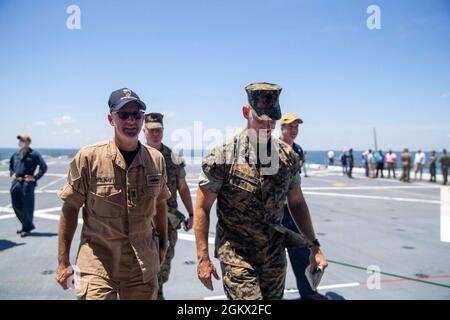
391 274
371 197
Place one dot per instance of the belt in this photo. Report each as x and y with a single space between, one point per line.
21 179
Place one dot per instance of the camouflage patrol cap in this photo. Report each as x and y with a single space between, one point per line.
263 100
154 120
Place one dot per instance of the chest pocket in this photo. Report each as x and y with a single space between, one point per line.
107 201
147 194
152 186
243 189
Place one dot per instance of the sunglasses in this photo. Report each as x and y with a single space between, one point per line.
124 115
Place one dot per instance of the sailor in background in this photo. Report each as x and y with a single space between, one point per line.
22 167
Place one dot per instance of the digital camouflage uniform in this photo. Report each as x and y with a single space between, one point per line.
406 166
175 172
432 162
251 185
444 159
250 210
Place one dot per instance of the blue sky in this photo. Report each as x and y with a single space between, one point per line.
192 60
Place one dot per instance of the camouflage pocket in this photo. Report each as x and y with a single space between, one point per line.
243 181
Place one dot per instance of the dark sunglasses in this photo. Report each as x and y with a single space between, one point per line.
124 115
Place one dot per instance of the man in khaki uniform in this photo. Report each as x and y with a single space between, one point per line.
406 165
176 181
121 185
251 175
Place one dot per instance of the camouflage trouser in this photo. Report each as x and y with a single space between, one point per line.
405 173
445 174
266 281
164 273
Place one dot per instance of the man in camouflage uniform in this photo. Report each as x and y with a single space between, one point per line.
444 159
176 181
251 175
432 165
406 165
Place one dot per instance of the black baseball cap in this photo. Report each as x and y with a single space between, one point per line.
119 98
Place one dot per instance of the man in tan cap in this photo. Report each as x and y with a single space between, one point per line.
121 185
299 257
22 167
289 130
176 181
251 175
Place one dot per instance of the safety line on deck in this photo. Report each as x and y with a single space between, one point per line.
390 274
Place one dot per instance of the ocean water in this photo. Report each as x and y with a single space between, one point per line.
313 156
6 153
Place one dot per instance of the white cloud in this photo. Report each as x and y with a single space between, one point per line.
64 120
40 123
445 95
66 132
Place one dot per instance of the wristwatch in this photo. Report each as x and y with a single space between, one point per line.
315 243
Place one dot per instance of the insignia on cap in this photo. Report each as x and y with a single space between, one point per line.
126 93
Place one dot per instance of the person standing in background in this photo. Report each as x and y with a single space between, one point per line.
391 161
343 160
419 163
432 166
331 157
372 163
22 167
406 165
444 159
379 158
351 162
365 161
